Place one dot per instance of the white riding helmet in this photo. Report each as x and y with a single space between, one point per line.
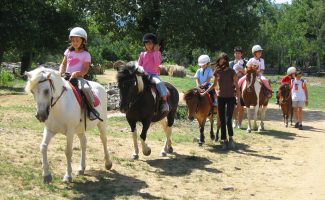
203 59
79 32
291 70
256 48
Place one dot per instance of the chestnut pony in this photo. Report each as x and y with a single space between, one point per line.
285 103
254 95
200 107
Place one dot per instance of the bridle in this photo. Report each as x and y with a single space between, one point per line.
133 98
53 90
288 97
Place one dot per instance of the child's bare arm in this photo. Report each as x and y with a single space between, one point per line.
63 65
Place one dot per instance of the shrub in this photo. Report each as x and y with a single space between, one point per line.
181 112
6 76
193 68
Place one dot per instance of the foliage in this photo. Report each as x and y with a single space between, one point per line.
294 34
193 68
6 77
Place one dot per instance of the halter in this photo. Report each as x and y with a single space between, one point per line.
53 89
133 100
286 100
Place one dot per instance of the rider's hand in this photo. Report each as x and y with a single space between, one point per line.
156 47
74 75
203 93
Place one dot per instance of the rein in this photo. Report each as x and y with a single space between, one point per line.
53 89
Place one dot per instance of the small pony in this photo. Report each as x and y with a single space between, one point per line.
140 101
201 108
60 111
253 95
285 102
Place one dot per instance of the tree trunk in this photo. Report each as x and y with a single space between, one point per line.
26 62
1 55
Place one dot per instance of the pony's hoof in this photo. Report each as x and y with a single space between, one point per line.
80 172
67 179
201 143
217 139
249 131
286 125
212 137
163 154
109 166
148 152
170 150
135 157
47 179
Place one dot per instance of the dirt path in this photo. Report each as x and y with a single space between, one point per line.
284 163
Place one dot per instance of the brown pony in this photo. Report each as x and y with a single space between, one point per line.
253 93
285 102
201 108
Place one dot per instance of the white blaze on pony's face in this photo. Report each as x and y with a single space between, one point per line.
39 85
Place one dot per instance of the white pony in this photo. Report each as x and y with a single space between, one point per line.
58 108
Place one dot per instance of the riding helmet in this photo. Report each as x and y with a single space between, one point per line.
256 48
149 37
79 32
291 70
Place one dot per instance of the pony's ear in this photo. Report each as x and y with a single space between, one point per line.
28 75
48 76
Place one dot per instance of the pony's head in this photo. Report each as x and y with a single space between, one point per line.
192 99
284 94
130 82
42 83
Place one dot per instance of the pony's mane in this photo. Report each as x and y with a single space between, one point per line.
36 75
190 93
128 71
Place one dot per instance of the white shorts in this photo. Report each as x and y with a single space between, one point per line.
296 104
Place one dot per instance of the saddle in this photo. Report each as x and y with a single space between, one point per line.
78 94
156 97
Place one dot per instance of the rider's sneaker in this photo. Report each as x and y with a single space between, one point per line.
164 107
224 145
297 125
300 127
93 114
231 144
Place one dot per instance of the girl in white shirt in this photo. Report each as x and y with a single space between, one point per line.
299 94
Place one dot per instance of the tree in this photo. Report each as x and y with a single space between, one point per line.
34 26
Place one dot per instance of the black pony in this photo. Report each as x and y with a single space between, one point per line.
140 101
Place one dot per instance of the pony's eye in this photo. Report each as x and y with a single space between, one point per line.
46 92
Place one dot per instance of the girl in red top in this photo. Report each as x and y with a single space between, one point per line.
286 80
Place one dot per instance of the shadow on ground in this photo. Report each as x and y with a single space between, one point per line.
108 185
182 165
12 90
243 149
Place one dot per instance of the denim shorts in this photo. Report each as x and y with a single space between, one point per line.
296 104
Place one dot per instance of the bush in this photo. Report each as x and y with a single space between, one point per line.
181 112
6 76
193 68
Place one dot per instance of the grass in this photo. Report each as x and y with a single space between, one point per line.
22 178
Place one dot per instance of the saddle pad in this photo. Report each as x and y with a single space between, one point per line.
79 98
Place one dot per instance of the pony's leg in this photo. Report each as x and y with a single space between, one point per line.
47 136
257 107
261 127
168 143
135 155
145 148
212 137
102 130
249 129
68 153
83 145
202 137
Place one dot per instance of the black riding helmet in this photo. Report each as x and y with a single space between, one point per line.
149 37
